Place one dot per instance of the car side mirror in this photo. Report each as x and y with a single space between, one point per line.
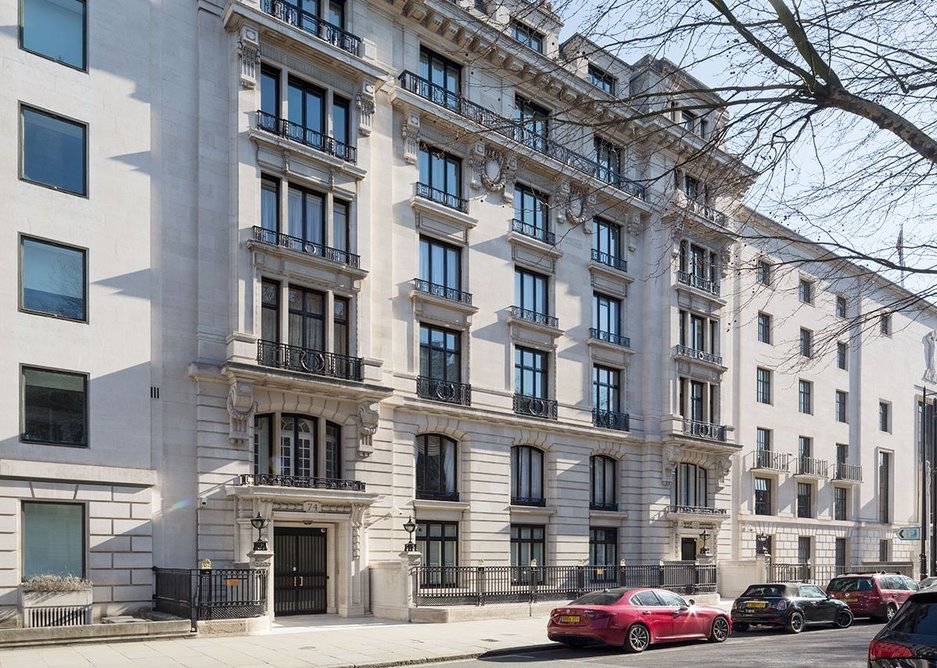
692 602
680 611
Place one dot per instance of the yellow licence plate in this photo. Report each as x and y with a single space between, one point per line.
851 597
757 604
569 619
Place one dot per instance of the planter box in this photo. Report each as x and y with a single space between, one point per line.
54 608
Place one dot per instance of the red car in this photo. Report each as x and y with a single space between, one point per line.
635 619
877 595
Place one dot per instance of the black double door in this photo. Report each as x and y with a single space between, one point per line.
300 574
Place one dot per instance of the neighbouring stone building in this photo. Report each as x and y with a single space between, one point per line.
341 263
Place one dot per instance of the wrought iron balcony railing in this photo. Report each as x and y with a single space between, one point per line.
436 495
703 210
528 501
610 506
686 351
447 391
696 510
448 200
304 482
773 461
443 291
533 231
312 24
848 472
302 135
535 317
610 419
274 238
304 360
813 467
609 337
707 430
705 284
610 260
544 409
513 129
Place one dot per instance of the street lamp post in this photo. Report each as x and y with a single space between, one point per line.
410 526
259 522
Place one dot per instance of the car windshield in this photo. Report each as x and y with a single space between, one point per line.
919 617
765 590
610 597
851 584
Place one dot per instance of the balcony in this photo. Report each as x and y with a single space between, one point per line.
696 510
812 468
701 355
442 291
313 25
446 391
700 209
516 131
535 317
610 419
545 409
705 430
848 472
304 360
431 495
609 260
771 461
533 231
302 135
698 282
441 197
301 482
609 337
274 238
538 501
609 507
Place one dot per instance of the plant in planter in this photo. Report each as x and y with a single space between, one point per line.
54 600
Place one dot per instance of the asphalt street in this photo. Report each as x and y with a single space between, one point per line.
842 648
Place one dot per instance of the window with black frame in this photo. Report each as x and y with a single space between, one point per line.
606 244
840 503
606 398
602 79
440 178
603 554
289 445
804 499
531 214
306 107
54 151
527 36
441 365
531 124
608 158
436 468
306 319
440 269
530 294
441 80
438 544
690 486
55 29
55 407
763 505
528 551
530 383
526 476
606 318
53 279
306 220
53 539
269 117
604 483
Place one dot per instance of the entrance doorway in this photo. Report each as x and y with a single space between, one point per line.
300 573
688 549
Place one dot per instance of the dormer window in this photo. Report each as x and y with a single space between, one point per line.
602 79
526 35
693 122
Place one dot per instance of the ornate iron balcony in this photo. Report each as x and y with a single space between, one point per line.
535 317
686 351
528 501
544 409
443 291
442 197
274 238
610 419
707 430
312 24
848 472
446 391
610 260
695 281
533 231
696 510
302 135
705 211
430 495
304 482
613 177
609 337
304 360
813 467
601 505
773 461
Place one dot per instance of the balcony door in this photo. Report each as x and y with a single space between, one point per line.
300 577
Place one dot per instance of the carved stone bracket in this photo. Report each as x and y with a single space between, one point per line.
367 420
669 458
634 230
241 409
249 54
365 103
577 206
357 521
721 467
411 138
493 170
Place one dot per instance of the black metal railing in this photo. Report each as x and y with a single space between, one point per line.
537 501
848 472
610 260
305 136
610 419
535 407
610 506
512 129
707 430
703 210
274 238
535 317
479 585
443 291
447 391
774 461
702 355
609 337
533 231
818 574
430 495
813 467
449 200
299 481
218 593
304 360
312 24
704 284
696 510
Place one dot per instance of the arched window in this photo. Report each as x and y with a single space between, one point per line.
291 445
436 468
690 486
526 476
603 483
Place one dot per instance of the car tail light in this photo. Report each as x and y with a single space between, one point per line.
880 649
781 605
735 604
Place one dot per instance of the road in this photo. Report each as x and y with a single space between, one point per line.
842 648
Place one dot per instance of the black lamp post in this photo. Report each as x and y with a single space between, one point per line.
704 535
259 522
761 543
410 526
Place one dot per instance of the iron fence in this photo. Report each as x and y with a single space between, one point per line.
220 593
312 24
818 574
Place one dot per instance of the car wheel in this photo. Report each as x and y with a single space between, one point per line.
795 623
844 619
740 626
637 638
890 612
720 630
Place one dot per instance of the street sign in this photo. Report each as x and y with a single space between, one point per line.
909 533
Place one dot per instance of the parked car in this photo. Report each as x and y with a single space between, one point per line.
791 605
927 582
877 595
635 619
910 638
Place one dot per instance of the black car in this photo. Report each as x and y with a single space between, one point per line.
792 605
910 638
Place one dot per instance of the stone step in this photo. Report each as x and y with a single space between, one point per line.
115 631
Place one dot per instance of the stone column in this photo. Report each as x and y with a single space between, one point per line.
409 562
262 560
